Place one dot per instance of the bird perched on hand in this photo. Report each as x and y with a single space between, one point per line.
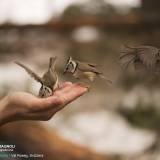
83 70
49 80
146 56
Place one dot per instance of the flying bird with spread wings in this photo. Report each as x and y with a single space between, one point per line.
147 57
49 80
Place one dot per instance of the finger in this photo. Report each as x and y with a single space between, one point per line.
46 103
45 115
42 116
82 85
65 84
63 97
76 91
68 88
63 90
58 101
43 104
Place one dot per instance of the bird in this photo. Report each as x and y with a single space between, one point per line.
83 70
145 56
49 80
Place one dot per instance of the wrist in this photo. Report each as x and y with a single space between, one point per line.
5 113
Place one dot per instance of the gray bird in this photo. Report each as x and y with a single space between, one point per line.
146 56
49 80
83 70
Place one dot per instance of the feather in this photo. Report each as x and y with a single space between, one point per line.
127 63
90 75
50 78
90 64
127 57
82 66
103 77
30 72
45 92
52 62
146 55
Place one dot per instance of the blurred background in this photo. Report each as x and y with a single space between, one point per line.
111 122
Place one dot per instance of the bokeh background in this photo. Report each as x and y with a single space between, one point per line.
118 121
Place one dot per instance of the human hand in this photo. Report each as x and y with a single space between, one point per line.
25 106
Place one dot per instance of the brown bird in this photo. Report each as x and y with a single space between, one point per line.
146 56
83 70
49 80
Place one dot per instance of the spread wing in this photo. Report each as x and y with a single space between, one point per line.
145 54
127 57
85 67
148 55
30 72
127 52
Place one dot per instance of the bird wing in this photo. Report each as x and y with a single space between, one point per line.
93 64
90 75
50 78
30 72
105 78
127 57
85 67
52 62
90 64
148 55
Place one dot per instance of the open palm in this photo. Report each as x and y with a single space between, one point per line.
25 106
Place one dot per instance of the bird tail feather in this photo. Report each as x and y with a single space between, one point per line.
52 62
107 80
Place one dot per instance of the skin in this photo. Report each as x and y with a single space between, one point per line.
24 106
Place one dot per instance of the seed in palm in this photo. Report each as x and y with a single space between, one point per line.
49 80
144 56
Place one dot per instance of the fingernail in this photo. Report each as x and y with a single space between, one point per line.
86 88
